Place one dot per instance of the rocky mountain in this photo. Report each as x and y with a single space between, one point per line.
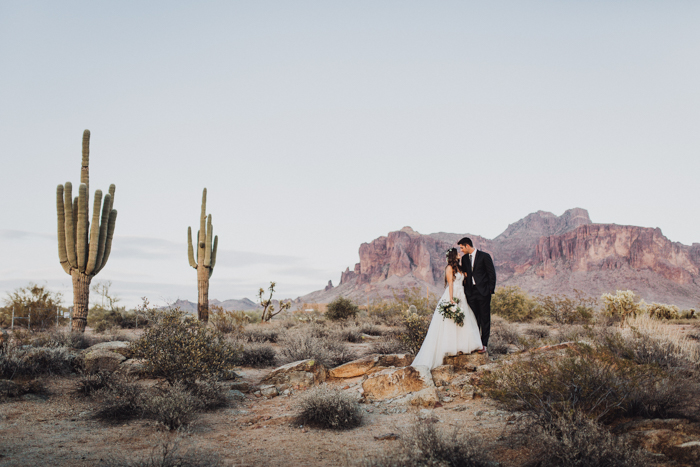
541 253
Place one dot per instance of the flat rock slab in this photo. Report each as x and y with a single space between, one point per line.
133 367
102 360
304 373
468 362
120 347
366 364
391 383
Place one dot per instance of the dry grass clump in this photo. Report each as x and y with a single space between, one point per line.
581 442
309 342
121 399
387 346
169 453
261 334
325 407
503 334
89 383
180 348
537 332
426 445
33 362
257 356
350 333
173 406
9 389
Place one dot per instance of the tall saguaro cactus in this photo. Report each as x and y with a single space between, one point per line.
206 258
84 247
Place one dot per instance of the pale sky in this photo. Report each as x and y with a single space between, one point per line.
319 125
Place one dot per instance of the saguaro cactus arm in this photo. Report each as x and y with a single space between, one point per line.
69 225
85 166
110 235
61 215
190 249
94 233
81 233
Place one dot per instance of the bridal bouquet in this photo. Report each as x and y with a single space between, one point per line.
451 311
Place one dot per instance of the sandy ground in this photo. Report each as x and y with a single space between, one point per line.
59 430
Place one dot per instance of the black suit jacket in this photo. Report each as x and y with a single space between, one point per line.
484 273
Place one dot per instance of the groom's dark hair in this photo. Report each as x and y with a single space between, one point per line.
466 241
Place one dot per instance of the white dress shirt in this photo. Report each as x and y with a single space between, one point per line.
471 260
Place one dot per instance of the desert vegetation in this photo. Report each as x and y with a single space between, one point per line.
571 372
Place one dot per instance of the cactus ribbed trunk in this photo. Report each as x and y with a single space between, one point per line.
81 297
203 296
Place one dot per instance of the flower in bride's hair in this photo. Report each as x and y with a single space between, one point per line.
450 250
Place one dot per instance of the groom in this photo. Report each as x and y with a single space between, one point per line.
479 284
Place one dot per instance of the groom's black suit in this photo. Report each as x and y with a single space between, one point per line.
479 284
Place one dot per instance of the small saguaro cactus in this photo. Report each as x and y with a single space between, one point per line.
84 247
206 258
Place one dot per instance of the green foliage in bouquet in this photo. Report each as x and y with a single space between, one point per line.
452 311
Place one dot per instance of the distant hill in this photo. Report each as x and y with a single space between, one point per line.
541 253
244 304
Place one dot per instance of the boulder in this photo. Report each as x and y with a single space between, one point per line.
269 391
120 347
304 373
427 397
241 386
369 363
390 383
469 362
236 395
102 360
133 367
443 374
688 453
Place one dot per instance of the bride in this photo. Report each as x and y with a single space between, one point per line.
444 336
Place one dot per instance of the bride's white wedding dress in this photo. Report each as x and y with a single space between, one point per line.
444 336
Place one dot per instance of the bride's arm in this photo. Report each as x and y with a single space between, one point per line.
449 275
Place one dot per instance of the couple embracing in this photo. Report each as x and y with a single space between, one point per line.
469 282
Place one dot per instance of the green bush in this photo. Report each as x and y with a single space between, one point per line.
329 408
623 304
661 311
34 301
180 348
415 327
341 308
513 304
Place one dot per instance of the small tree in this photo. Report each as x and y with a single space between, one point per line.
341 308
514 304
35 300
268 307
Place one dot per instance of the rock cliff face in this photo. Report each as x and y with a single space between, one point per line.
542 253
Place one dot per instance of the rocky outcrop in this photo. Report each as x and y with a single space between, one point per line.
395 382
303 374
370 363
541 253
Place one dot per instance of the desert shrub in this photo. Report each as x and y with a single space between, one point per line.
392 311
32 362
688 314
180 348
347 334
661 311
20 388
225 321
503 334
371 329
388 346
301 344
588 380
426 445
325 407
537 332
384 311
169 453
623 304
122 399
581 442
563 309
415 327
257 356
341 308
261 334
173 405
513 304
90 383
35 300
75 340
210 394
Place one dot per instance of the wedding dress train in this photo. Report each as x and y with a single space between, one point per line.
444 337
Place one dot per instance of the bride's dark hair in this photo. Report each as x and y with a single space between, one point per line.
452 260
